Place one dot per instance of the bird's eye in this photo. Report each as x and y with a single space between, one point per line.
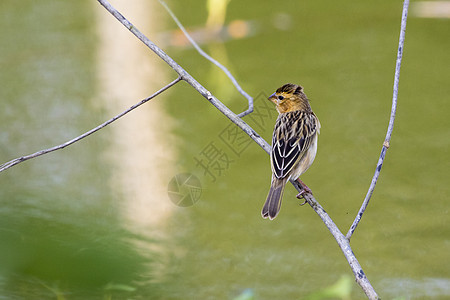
280 97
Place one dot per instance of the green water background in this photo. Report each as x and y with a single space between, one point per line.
59 221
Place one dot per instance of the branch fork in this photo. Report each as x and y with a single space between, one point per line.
343 241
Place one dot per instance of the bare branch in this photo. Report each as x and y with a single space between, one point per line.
387 140
187 77
343 243
340 239
215 62
16 161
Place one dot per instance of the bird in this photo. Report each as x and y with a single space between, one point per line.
294 144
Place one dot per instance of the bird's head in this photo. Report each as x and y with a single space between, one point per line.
290 97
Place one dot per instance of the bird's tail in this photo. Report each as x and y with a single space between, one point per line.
273 203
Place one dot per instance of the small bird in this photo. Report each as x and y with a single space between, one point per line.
294 144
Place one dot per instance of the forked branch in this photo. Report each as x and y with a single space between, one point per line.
342 240
215 62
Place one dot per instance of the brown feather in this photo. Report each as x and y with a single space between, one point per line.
294 142
273 203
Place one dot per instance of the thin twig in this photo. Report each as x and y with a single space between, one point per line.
187 77
387 140
16 161
339 237
344 244
342 241
215 62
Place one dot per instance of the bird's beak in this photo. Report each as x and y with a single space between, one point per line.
273 98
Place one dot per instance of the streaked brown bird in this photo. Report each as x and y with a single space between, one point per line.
294 144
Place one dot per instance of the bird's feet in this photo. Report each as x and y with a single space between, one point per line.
305 190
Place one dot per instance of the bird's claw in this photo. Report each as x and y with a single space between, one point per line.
302 193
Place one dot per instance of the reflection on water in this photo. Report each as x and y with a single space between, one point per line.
424 288
70 221
141 147
94 220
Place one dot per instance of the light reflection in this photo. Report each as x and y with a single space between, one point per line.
141 150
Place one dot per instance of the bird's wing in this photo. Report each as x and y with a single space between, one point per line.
292 136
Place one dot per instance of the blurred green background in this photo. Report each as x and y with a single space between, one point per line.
94 221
